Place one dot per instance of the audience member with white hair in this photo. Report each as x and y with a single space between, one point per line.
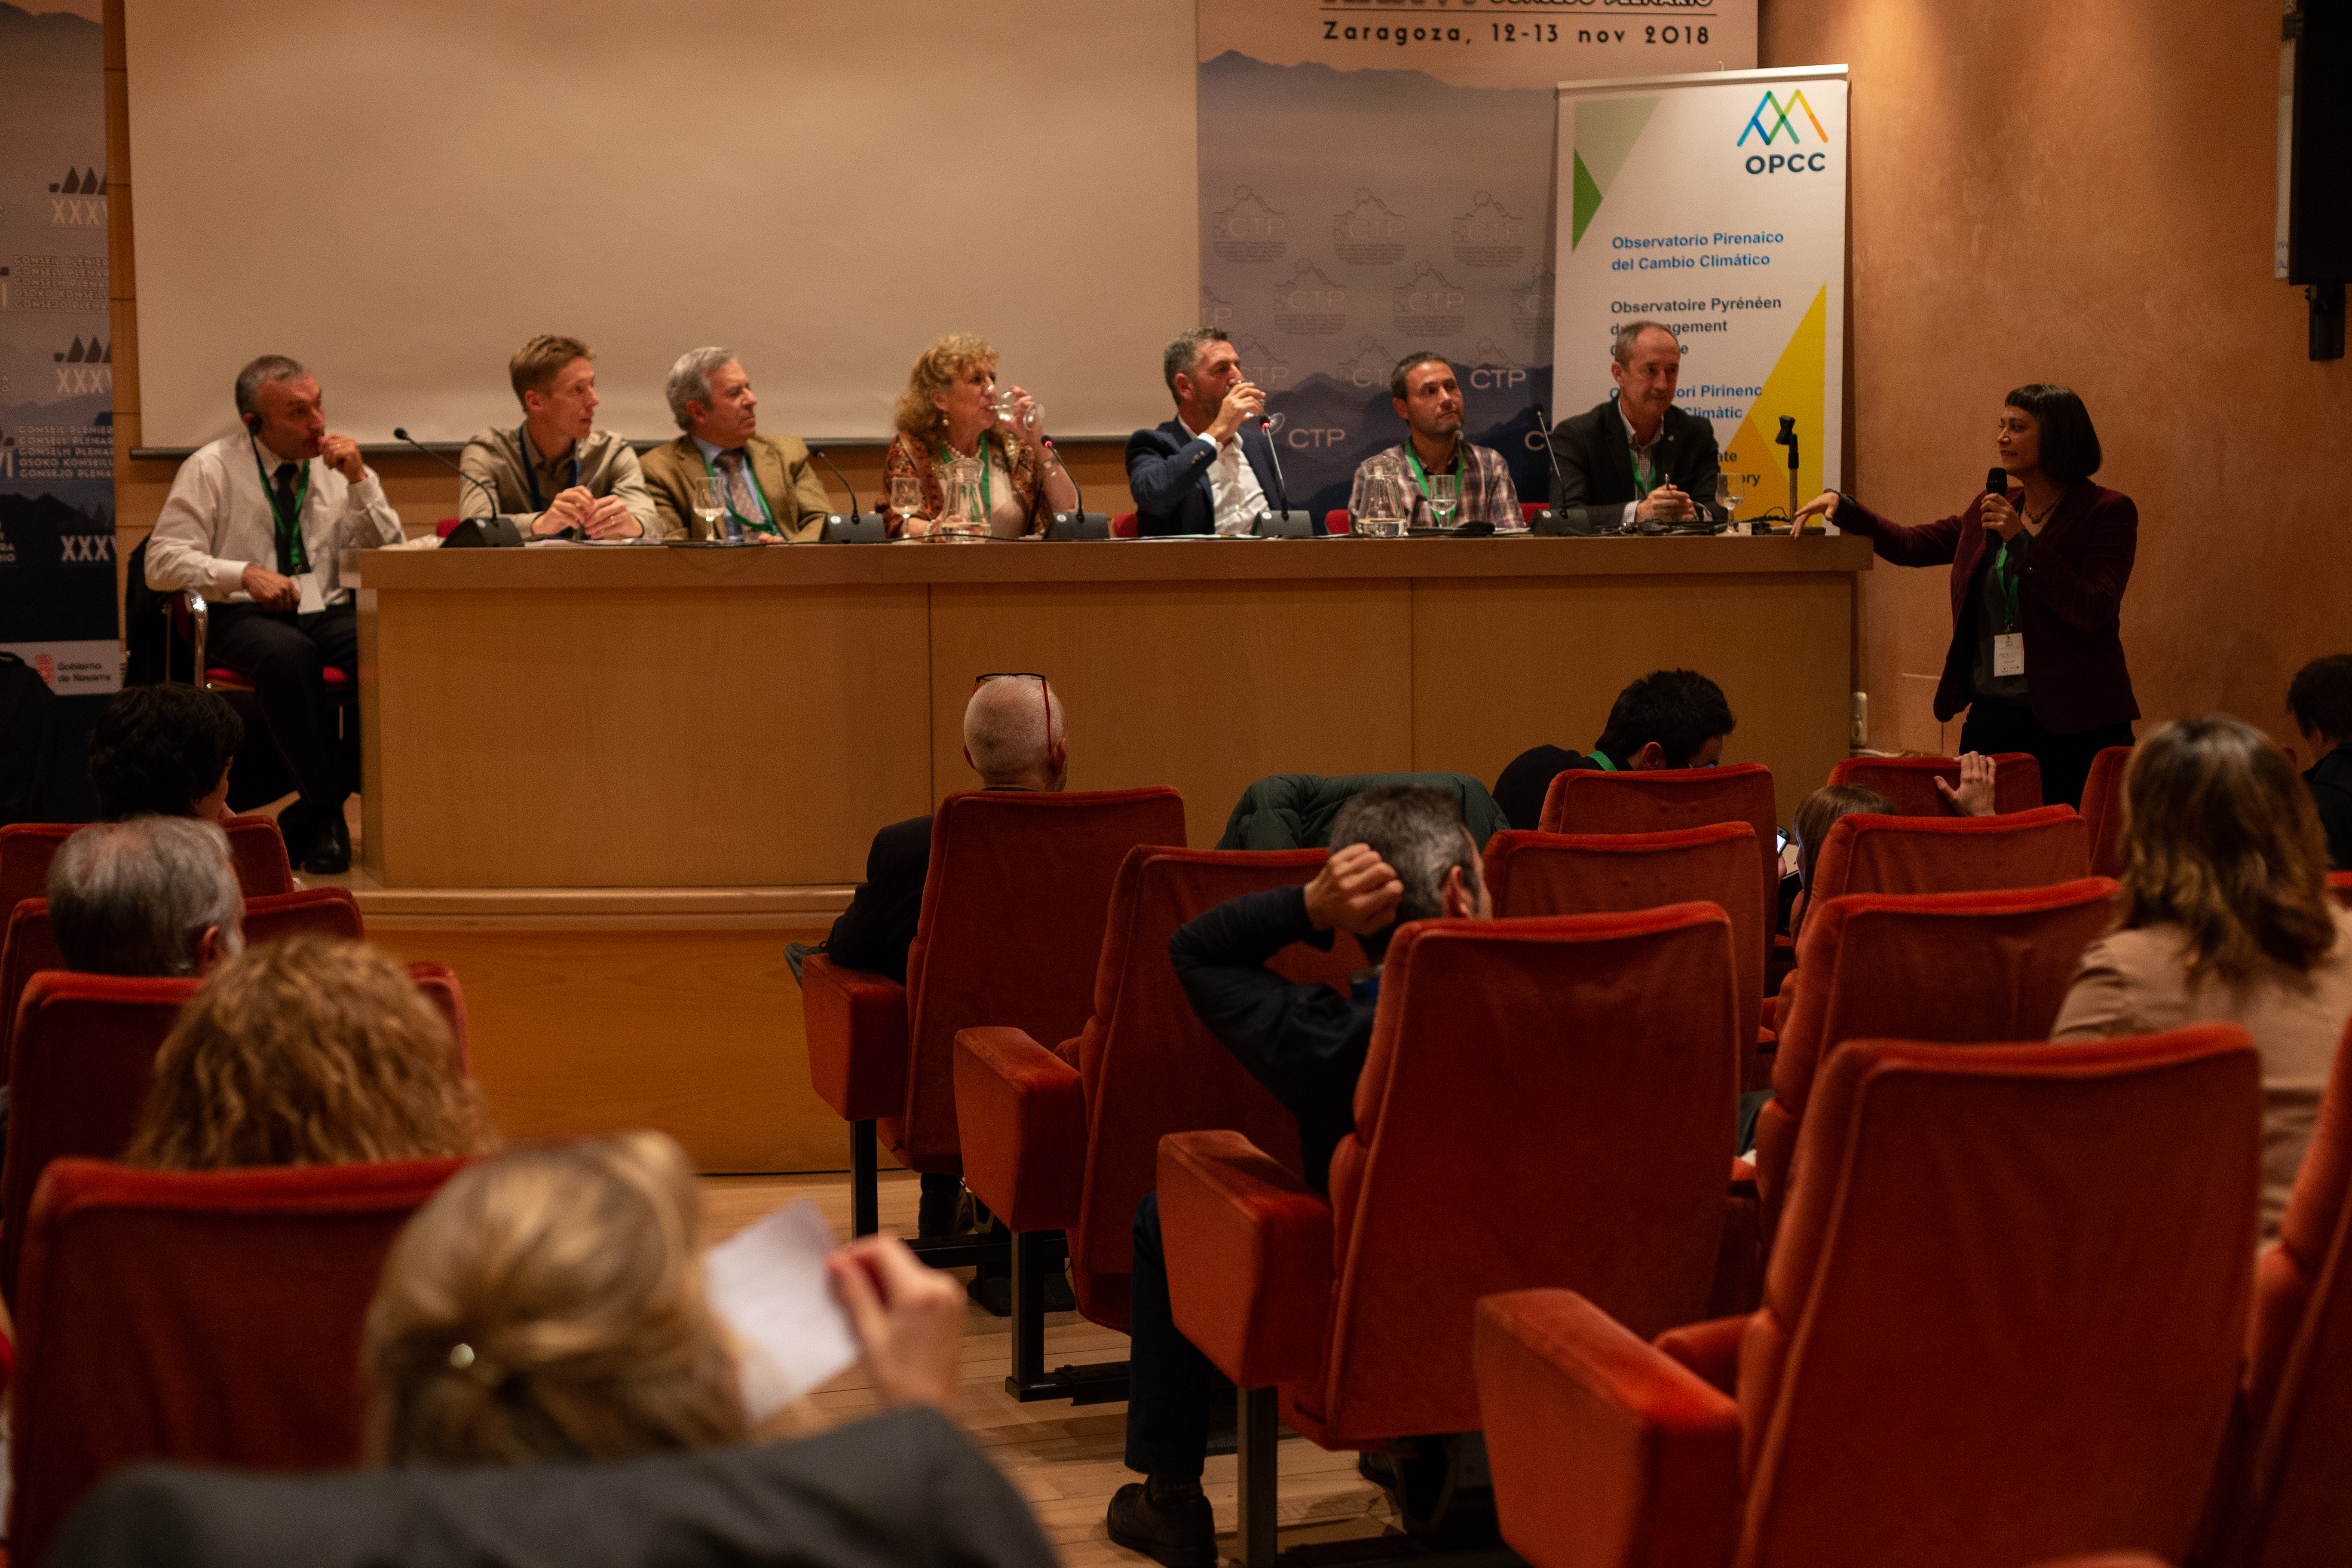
153 896
1015 737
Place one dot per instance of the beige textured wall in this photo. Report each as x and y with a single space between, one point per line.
2082 193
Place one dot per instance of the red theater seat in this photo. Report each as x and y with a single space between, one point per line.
1865 853
1996 1330
2291 1502
1546 1101
210 1318
255 847
1909 783
2340 884
1068 1140
1010 931
1122 525
2103 810
1956 968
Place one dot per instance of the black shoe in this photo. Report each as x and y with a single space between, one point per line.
942 1210
1182 1534
330 851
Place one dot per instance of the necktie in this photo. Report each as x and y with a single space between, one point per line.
286 537
739 492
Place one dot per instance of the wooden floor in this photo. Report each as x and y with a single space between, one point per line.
1062 1458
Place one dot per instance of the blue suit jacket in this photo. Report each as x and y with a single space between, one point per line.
1168 473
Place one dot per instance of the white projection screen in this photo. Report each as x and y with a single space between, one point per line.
401 194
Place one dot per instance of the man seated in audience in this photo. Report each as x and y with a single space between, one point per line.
164 750
1668 719
1399 853
552 1304
1015 737
1211 470
767 487
1428 398
1634 460
556 473
2320 699
153 896
307 1051
256 522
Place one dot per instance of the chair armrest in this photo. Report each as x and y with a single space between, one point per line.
856 1026
1605 1453
1711 1350
1249 1258
1021 1114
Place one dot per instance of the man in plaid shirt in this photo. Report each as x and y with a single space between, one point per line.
1428 399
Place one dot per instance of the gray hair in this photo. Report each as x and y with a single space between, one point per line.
1407 365
1011 724
136 896
260 373
689 381
1418 831
1185 353
1621 348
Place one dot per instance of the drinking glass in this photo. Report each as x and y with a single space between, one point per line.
907 495
1382 507
1730 495
1444 493
708 508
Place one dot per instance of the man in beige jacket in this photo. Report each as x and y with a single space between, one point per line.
765 486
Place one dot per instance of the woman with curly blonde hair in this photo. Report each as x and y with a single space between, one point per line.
307 1051
2225 915
551 1304
949 411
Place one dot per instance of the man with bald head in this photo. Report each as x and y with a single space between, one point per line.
1634 463
1014 737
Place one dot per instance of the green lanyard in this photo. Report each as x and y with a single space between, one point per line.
947 456
1420 475
289 529
1600 760
1640 487
765 522
2004 576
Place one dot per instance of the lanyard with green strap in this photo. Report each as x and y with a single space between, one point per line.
2004 576
289 529
1600 760
765 522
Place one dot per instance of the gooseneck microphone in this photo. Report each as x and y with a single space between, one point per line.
818 453
1071 474
1281 490
400 434
1543 428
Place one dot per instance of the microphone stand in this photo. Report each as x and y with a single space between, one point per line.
818 453
400 434
1281 489
1559 485
1078 523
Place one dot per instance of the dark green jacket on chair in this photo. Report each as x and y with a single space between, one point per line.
1294 811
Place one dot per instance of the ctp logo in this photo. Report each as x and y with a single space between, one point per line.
1770 122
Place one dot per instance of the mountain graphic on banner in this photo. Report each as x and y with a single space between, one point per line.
1796 387
1606 130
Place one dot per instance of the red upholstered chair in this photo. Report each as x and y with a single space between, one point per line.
255 847
1531 509
1340 521
2291 1504
1591 873
1909 783
211 1318
1546 1102
1995 1331
2340 884
29 947
439 984
82 1058
1122 525
2103 810
314 911
1865 853
189 618
1010 932
1068 1139
1956 968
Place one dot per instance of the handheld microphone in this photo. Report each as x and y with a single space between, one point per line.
818 453
1997 482
1543 428
400 434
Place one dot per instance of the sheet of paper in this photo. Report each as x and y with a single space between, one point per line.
313 600
769 1284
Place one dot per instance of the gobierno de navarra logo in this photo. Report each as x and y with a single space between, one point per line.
1769 120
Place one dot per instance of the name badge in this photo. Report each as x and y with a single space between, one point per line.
2008 653
313 600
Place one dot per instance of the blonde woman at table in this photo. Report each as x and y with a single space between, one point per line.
949 410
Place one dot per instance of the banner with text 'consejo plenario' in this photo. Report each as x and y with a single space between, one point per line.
1715 204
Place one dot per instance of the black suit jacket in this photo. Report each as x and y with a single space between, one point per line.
878 927
1596 468
1168 474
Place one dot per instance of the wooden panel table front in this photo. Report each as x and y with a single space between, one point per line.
661 718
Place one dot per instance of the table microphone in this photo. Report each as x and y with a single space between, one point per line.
1543 428
399 434
818 453
1080 523
1281 490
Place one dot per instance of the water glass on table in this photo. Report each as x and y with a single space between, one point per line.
1444 493
703 496
906 498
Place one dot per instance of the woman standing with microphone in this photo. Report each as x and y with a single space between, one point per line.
2039 565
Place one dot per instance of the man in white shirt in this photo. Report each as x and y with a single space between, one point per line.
556 473
1211 470
256 522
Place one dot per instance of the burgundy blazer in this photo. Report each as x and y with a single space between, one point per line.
2069 601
